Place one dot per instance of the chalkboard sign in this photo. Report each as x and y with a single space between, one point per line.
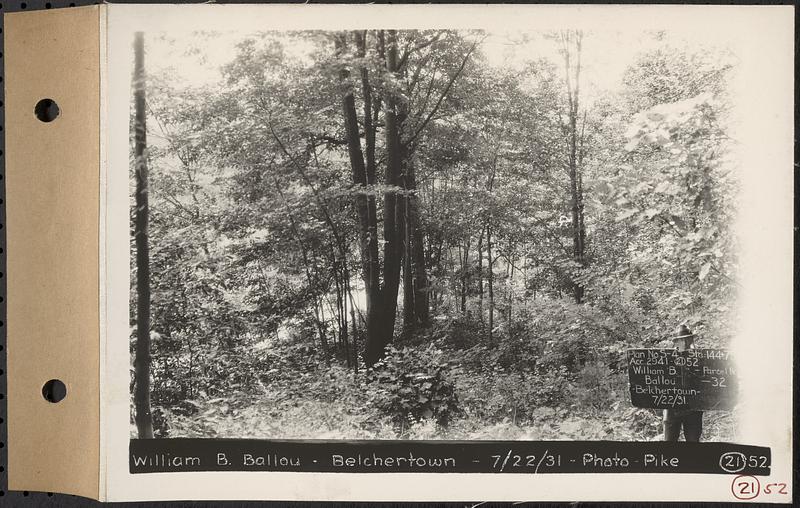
692 379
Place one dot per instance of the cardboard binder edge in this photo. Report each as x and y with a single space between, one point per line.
52 210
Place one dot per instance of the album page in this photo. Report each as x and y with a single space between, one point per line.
447 252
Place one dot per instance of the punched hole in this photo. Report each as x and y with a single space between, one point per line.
46 110
54 391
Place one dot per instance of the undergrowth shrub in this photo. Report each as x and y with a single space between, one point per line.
410 385
496 395
597 387
570 335
457 332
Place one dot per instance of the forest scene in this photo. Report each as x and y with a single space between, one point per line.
423 234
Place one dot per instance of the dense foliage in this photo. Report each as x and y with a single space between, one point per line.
390 234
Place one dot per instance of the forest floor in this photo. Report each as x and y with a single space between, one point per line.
271 417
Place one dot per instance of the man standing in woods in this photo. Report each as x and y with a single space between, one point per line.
690 419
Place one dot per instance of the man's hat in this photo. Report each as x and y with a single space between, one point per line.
683 332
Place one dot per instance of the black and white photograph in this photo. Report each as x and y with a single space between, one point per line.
399 234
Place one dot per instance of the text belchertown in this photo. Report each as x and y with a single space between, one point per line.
399 461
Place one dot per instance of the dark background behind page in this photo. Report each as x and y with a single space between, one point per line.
33 499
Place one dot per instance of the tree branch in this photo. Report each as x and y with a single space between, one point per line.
443 95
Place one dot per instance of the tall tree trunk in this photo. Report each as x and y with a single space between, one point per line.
510 292
576 191
345 292
480 276
364 175
465 271
409 309
341 313
393 213
323 337
143 417
417 249
490 260
490 263
372 108
355 338
415 277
